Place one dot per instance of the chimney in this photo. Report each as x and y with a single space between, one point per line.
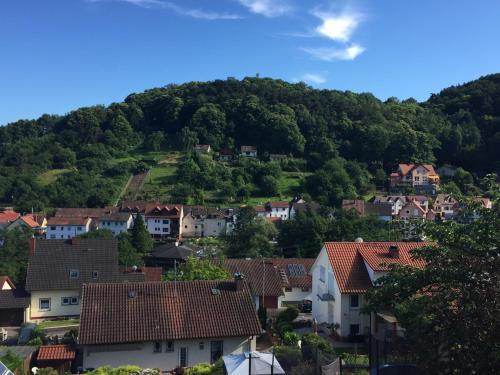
32 245
239 281
394 251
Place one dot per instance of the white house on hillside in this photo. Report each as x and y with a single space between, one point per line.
116 222
67 227
343 272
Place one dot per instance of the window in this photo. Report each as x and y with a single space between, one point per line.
74 300
52 228
165 229
95 274
185 226
183 357
288 289
79 228
65 301
157 347
202 345
322 274
170 346
73 274
44 304
354 329
62 228
354 301
165 221
305 289
196 227
216 350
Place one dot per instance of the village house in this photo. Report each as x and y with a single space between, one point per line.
203 149
7 217
161 220
382 211
413 210
166 325
248 151
37 224
116 222
67 227
57 269
225 154
296 280
193 221
14 304
280 210
341 275
445 206
420 177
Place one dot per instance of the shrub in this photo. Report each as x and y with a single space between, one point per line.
47 371
311 343
287 356
13 361
291 338
290 314
200 369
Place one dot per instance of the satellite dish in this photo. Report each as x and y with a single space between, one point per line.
34 370
134 268
359 240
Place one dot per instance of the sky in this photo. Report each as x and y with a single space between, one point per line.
59 55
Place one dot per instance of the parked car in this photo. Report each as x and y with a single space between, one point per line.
306 306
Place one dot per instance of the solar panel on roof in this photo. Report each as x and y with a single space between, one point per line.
296 270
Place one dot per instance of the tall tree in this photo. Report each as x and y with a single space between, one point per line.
141 239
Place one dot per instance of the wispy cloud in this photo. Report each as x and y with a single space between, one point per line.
311 78
334 53
268 8
168 5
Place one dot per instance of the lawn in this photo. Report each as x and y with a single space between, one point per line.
58 323
51 175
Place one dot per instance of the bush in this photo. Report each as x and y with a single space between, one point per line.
290 314
287 356
13 361
47 371
200 369
123 370
291 338
311 343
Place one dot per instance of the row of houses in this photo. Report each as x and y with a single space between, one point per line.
225 154
412 207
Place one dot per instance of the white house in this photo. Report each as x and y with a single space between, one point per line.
296 280
166 325
57 269
343 272
116 222
67 227
248 151
279 210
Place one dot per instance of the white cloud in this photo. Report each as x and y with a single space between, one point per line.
190 12
338 27
334 53
313 78
268 8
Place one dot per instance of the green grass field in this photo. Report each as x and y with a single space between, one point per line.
51 175
58 323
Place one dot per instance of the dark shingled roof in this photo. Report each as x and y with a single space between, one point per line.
257 278
137 312
50 265
14 299
171 251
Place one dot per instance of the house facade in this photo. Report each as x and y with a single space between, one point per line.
57 269
421 177
341 275
296 280
67 227
278 210
175 333
14 304
116 222
248 151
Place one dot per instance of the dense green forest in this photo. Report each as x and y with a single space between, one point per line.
341 144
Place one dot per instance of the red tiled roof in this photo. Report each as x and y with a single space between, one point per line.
55 353
259 208
347 261
152 273
304 281
8 216
152 208
30 221
142 312
406 168
68 220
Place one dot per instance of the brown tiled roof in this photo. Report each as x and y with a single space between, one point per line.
258 275
68 220
304 281
49 266
141 312
348 261
83 212
279 204
115 216
56 353
406 168
14 299
152 208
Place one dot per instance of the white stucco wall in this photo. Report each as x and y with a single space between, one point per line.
116 227
143 355
158 225
56 307
66 231
296 295
215 227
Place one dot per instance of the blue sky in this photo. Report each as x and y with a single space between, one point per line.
58 55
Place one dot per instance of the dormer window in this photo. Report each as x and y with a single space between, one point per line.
73 274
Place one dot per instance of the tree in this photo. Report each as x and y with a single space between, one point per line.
251 236
448 323
13 361
269 186
127 254
141 239
200 269
14 253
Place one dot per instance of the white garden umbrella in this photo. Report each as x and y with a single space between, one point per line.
261 364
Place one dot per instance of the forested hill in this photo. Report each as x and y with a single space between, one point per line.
86 154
